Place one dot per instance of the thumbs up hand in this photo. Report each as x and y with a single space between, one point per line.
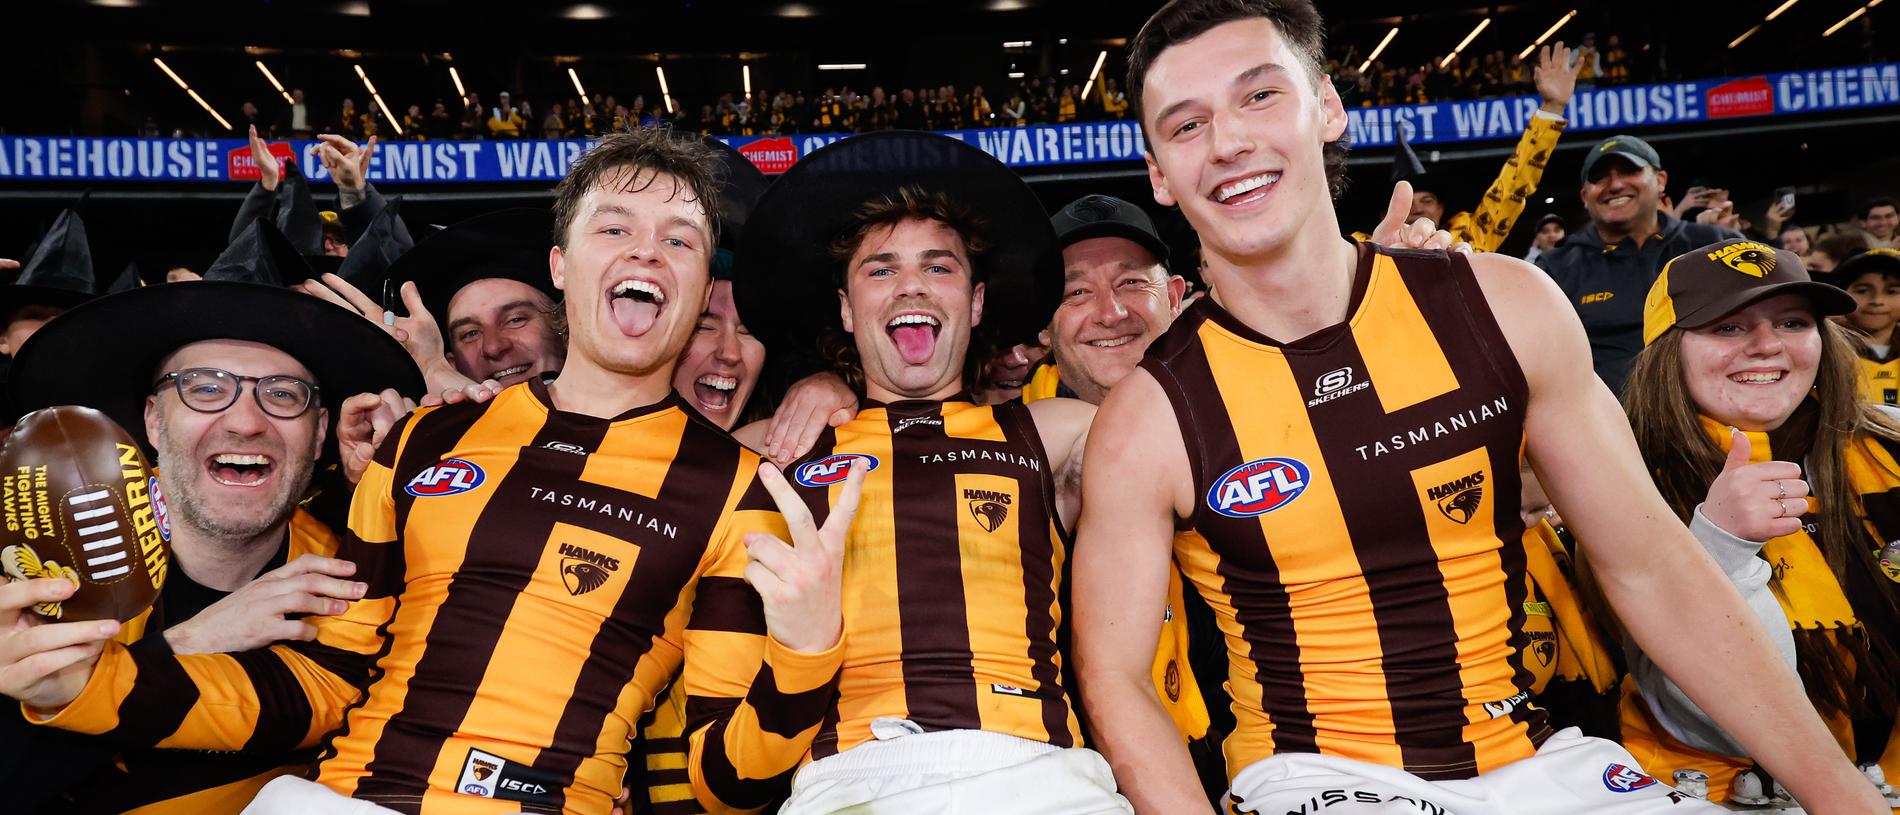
1756 502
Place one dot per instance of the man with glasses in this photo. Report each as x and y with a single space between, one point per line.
237 409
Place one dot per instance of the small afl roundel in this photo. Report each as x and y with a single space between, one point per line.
1621 778
1258 487
831 469
161 514
446 477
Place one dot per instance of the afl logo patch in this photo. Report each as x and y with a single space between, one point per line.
1619 778
446 477
160 513
831 469
1258 487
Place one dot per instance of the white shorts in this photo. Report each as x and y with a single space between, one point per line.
290 795
1571 773
956 771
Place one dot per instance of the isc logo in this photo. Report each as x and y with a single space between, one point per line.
447 477
1618 778
1258 487
831 469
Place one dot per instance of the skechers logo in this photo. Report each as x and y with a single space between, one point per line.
447 477
1335 384
584 570
1460 499
566 448
1258 487
831 469
928 421
988 507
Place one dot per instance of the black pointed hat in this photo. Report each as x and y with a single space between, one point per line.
261 254
740 186
297 214
129 279
372 256
59 273
1405 163
511 244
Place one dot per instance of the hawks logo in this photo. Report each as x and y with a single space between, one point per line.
446 477
831 469
1618 778
584 570
1258 487
1747 257
988 507
1543 646
482 769
1459 499
20 562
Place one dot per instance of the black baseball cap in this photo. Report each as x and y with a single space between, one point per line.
1882 261
1703 285
1635 150
1105 216
1552 218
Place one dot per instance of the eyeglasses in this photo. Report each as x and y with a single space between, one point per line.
209 390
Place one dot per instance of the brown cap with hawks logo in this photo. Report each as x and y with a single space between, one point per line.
1703 285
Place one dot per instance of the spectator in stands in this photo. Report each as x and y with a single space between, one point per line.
554 127
1550 232
349 123
1014 111
1794 238
978 109
1872 278
1486 227
1589 62
249 118
438 127
474 117
1616 62
1878 222
1114 102
1606 268
1832 250
295 122
504 121
414 124
1065 106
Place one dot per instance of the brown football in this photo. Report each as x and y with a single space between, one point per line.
79 501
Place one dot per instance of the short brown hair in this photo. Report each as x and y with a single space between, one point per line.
911 203
1182 20
634 158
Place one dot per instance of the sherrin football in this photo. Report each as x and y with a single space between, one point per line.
78 501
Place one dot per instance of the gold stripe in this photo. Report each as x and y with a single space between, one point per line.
872 682
1400 351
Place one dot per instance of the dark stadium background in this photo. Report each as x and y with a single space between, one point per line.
84 68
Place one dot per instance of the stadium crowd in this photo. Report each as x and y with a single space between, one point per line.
876 487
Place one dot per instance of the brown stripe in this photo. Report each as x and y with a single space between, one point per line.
727 604
696 485
157 703
788 714
934 621
284 716
1249 575
505 548
380 566
1034 522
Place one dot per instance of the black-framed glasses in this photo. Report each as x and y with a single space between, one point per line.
210 390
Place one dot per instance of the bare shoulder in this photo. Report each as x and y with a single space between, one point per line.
1538 321
753 435
1136 431
1061 423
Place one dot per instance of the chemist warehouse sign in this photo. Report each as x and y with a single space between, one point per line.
108 159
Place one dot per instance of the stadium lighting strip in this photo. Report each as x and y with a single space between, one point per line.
187 89
841 66
274 83
1379 50
577 86
1442 65
665 94
458 83
1546 35
1094 72
1849 18
1771 16
746 70
393 124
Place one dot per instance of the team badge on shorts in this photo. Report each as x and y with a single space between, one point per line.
1620 778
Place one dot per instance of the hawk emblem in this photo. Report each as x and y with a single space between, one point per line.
484 769
989 514
581 577
20 562
1747 257
1460 506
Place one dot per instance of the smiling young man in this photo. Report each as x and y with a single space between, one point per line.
538 567
1341 426
952 695
238 411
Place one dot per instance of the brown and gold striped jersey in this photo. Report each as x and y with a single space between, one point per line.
1356 522
536 577
953 573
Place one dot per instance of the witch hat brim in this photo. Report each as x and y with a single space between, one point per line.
105 353
261 254
510 244
786 281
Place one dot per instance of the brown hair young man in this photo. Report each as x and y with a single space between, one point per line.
1341 427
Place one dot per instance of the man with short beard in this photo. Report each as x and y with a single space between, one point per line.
1606 268
237 408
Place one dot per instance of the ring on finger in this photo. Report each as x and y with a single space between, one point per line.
1781 489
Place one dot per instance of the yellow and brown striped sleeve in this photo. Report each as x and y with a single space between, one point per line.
1498 211
285 697
752 704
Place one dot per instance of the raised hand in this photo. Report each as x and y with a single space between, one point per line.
812 404
1419 234
362 424
268 172
1556 77
801 584
1756 502
347 163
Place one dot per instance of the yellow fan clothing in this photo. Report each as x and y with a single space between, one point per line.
1880 375
536 578
1486 227
1357 523
1828 625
